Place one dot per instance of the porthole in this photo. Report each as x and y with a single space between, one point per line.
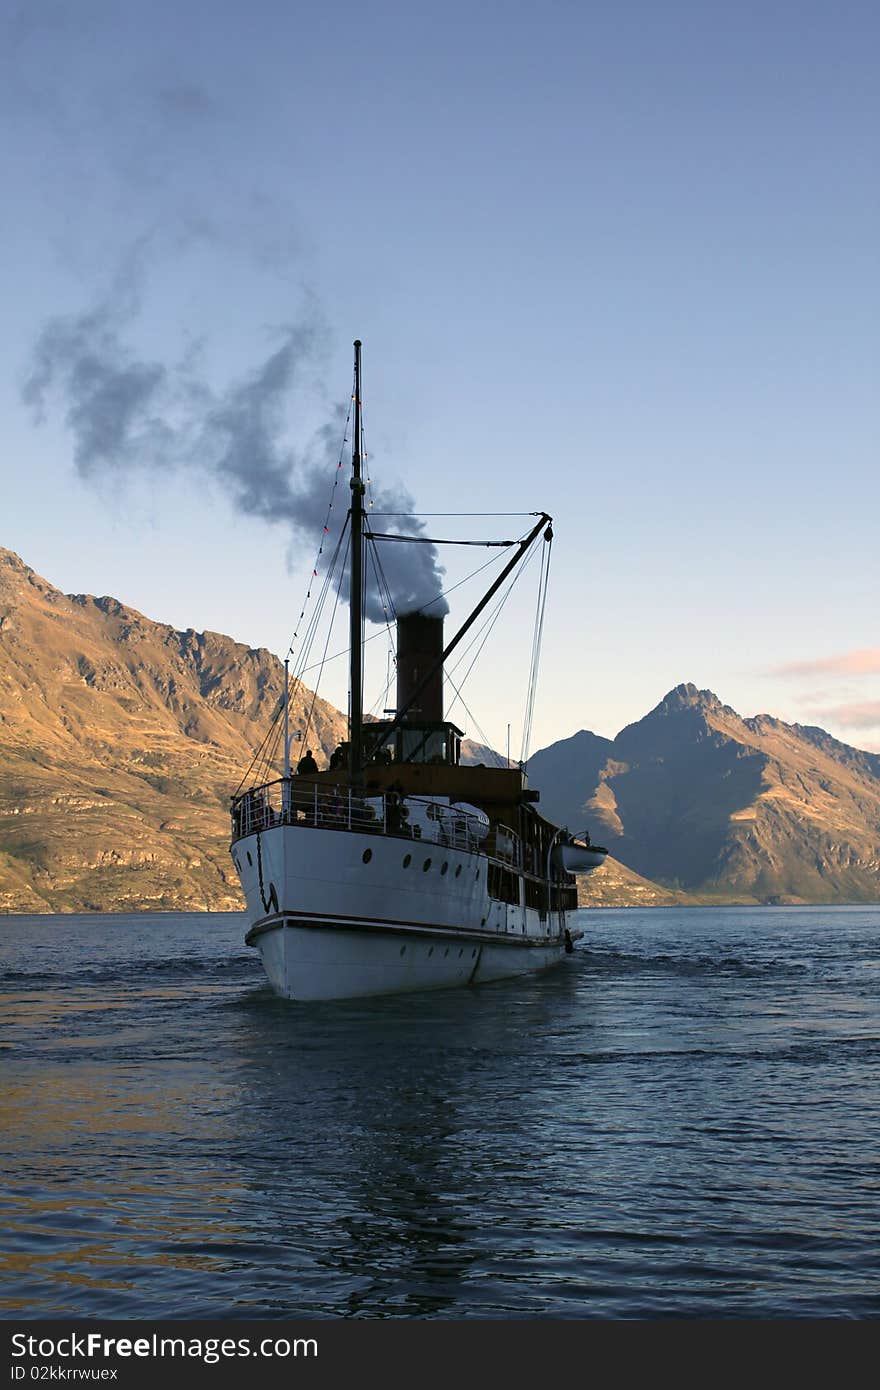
407 860
426 866
367 856
250 861
458 871
430 950
444 869
461 953
477 876
473 952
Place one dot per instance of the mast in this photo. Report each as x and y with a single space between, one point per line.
356 598
287 719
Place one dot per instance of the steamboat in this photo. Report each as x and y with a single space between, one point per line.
400 868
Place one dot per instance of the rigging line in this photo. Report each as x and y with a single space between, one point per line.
265 753
331 580
488 632
533 657
382 586
527 749
472 717
380 699
326 528
459 514
533 666
522 569
325 531
383 594
382 576
539 637
315 617
444 593
326 644
318 613
487 629
432 540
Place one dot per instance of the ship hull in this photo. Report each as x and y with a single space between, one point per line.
318 962
344 915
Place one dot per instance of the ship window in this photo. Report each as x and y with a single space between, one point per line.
250 861
461 953
426 866
477 876
446 952
407 860
458 871
473 953
402 950
367 856
444 869
430 950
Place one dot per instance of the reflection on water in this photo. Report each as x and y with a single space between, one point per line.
680 1119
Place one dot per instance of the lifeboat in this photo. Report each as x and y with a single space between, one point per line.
579 857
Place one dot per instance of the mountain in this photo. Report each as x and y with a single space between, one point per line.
614 885
480 755
121 740
694 797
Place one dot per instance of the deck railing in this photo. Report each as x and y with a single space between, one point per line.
297 802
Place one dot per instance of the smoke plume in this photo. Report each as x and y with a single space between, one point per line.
126 414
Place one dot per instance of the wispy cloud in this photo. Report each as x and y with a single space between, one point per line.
863 714
863 662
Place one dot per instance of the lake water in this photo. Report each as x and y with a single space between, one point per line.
682 1119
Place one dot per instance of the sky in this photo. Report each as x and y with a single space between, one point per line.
615 262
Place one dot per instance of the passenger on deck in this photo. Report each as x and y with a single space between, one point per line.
396 814
306 764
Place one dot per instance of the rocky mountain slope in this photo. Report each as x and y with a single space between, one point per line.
696 798
120 742
122 738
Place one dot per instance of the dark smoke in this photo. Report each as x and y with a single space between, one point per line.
112 402
126 414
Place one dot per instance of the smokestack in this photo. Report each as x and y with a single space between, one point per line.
419 647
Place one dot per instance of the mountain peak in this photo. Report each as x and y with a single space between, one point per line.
688 696
14 561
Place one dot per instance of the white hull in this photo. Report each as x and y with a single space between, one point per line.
307 964
416 915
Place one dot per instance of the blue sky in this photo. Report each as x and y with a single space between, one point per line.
617 262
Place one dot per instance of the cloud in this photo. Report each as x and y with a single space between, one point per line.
864 662
863 714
